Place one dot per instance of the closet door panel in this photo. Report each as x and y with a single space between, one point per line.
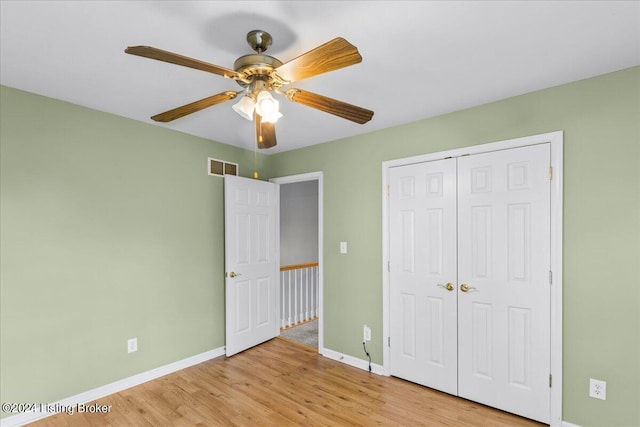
503 270
422 224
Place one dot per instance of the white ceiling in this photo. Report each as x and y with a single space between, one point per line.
420 58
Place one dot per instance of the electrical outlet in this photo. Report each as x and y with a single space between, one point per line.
597 389
132 345
367 333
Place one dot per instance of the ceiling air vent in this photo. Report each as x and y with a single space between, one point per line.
220 167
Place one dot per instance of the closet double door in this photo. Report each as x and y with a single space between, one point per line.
469 277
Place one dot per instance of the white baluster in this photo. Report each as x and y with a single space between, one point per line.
289 299
315 291
295 295
306 294
301 297
282 306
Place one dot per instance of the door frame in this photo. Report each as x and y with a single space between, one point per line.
311 176
555 139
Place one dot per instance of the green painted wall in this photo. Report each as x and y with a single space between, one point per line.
600 118
111 229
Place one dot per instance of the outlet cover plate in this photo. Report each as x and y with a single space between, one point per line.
367 333
597 389
132 345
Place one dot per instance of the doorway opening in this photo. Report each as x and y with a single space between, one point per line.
300 254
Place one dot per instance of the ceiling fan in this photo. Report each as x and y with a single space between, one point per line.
261 75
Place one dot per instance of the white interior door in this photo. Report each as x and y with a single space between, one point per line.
251 284
503 273
482 223
423 274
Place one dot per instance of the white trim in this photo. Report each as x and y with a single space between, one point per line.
311 176
114 387
352 361
556 141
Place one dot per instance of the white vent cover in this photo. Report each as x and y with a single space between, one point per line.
218 167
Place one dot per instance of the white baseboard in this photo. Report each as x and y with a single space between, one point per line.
352 361
105 390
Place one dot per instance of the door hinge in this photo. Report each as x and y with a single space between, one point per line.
389 266
550 277
550 380
550 173
388 190
388 341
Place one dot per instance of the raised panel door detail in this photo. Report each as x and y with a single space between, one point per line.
263 294
407 187
434 184
262 199
481 179
243 306
409 326
435 331
519 331
519 240
481 235
482 339
434 244
243 232
408 241
518 176
263 244
242 196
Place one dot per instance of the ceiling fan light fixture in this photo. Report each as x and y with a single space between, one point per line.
245 107
268 107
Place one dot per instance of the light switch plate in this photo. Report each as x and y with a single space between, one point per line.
343 247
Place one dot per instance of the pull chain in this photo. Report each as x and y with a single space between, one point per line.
255 161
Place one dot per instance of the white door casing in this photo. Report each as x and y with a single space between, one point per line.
518 213
251 263
423 274
504 261
311 176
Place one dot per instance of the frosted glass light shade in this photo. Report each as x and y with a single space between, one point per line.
245 107
268 107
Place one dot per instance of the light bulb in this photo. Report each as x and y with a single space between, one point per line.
268 107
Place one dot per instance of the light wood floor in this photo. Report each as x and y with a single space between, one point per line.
282 383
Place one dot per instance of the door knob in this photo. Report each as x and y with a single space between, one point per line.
234 274
466 288
448 286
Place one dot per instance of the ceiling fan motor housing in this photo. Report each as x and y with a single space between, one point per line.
258 65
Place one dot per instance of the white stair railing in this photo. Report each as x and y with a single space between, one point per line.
299 293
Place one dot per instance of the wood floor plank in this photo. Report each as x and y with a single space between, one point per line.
280 383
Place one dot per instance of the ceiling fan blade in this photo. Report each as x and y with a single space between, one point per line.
265 133
174 58
182 111
329 105
335 54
